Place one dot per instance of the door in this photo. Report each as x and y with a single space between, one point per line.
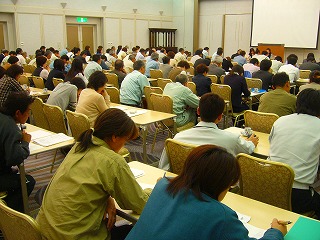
2 29
80 36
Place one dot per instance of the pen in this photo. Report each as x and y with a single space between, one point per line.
164 175
284 222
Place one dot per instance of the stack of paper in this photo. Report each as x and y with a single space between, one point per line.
52 139
137 172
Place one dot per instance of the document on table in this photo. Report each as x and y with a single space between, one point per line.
137 172
131 112
39 134
254 232
145 185
52 139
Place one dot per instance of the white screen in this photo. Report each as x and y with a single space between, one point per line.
294 23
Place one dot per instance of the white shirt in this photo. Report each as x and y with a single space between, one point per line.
179 57
260 57
291 70
22 60
194 58
275 66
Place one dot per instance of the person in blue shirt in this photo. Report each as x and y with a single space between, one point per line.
153 63
189 205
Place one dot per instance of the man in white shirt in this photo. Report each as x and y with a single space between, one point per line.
180 56
205 52
141 55
290 68
276 64
197 55
22 60
93 66
211 108
219 52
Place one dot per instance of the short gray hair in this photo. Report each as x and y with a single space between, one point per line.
181 78
137 65
154 56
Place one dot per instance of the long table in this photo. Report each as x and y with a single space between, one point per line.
261 214
143 120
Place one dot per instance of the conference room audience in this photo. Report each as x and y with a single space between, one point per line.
104 62
205 61
189 205
314 81
132 86
82 57
94 99
261 56
14 147
141 54
227 64
181 68
264 74
184 100
290 68
240 59
279 100
205 52
310 55
93 66
76 70
197 55
276 64
210 109
201 80
215 68
3 54
153 63
128 62
11 60
89 180
57 72
219 52
119 71
22 60
239 88
310 64
5 59
179 56
295 140
42 69
252 66
165 67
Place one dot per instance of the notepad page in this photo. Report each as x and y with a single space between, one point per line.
137 172
52 139
254 232
40 134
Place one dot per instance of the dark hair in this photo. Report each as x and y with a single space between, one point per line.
237 69
14 70
97 80
170 54
18 50
280 79
41 60
310 55
76 50
315 76
181 49
137 65
181 78
13 59
206 48
292 60
308 102
242 53
278 58
78 82
202 68
84 52
118 64
184 64
65 57
43 47
264 52
76 67
96 57
265 64
254 61
4 51
124 49
13 53
87 48
209 169
198 52
58 64
219 51
165 60
47 53
111 122
211 106
17 101
132 57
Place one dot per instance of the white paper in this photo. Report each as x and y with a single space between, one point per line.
254 232
133 113
243 218
52 139
33 147
123 108
137 172
39 134
145 185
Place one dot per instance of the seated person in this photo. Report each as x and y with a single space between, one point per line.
310 64
103 63
119 71
290 68
165 67
57 72
314 81
66 94
239 88
279 100
42 69
210 109
93 66
76 70
184 100
132 86
190 207
276 64
201 80
91 175
181 68
215 68
264 74
152 64
14 147
251 66
94 99
295 140
240 59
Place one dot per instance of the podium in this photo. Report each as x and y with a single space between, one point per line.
276 49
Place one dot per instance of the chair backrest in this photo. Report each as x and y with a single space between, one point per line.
128 69
114 94
222 79
254 83
177 154
147 91
162 103
259 121
190 70
192 86
224 91
156 73
56 81
32 68
17 225
214 78
38 82
162 82
78 123
23 79
55 118
305 74
266 181
112 79
40 119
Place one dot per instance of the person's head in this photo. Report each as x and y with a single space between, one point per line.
87 48
154 56
181 78
134 50
310 55
139 66
14 71
163 50
12 53
165 60
5 52
48 54
17 106
132 57
281 80
56 53
243 53
43 48
64 58
202 69
76 51
18 50
209 170
292 59
119 48
252 51
211 107
308 102
264 53
79 83
315 76
198 52
118 65
97 81
254 61
138 48
41 60
170 54
104 58
76 67
218 60
219 51
268 51
265 64
311 59
13 60
183 64
96 58
124 49
58 64
83 53
143 51
237 70
181 50
206 48
113 126
257 51
239 51
278 58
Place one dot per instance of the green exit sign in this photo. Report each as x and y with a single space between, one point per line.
82 19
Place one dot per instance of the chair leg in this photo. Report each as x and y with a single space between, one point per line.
53 161
154 139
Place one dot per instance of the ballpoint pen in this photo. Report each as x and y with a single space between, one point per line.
284 222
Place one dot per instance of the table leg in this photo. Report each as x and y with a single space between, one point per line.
144 142
24 188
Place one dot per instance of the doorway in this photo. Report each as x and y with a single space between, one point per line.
81 36
2 35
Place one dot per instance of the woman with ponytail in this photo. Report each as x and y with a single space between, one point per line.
81 192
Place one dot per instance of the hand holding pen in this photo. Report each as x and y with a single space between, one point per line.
25 136
280 225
